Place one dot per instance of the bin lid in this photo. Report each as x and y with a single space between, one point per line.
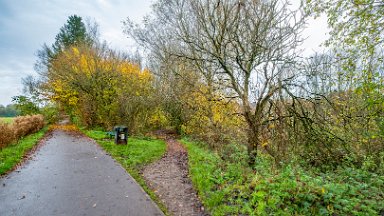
120 127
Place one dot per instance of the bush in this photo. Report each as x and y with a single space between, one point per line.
25 125
21 126
50 113
6 134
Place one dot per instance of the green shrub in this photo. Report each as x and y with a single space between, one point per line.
50 113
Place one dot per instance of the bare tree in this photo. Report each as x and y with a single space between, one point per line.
245 47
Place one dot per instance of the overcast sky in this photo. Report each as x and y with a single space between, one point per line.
25 25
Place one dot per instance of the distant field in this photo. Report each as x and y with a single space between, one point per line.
7 119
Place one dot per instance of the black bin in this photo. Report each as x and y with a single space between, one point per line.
121 134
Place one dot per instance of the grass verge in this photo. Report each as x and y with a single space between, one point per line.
231 188
133 156
13 154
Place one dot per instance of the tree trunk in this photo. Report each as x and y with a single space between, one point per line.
253 143
253 136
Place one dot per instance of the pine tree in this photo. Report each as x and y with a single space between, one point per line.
72 33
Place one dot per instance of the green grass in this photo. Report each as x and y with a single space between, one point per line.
11 155
206 176
133 156
7 119
231 188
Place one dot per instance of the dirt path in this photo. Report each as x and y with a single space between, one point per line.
168 177
71 175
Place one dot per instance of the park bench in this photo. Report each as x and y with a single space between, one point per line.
110 134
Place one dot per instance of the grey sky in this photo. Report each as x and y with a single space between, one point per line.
25 25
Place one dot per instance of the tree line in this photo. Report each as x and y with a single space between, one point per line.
8 111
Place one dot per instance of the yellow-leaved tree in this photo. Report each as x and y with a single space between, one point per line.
100 86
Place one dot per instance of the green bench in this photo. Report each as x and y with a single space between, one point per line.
110 134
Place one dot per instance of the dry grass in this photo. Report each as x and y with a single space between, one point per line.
21 127
6 134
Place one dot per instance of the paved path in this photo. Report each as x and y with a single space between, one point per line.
71 175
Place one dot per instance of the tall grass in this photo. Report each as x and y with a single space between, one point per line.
21 127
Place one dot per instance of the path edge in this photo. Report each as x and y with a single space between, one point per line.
30 154
165 213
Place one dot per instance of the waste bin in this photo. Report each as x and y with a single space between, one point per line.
121 134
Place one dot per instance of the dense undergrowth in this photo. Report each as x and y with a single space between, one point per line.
11 155
133 156
230 187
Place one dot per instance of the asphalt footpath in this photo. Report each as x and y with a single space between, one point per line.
71 175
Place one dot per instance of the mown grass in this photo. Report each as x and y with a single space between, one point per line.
11 155
232 188
7 120
133 156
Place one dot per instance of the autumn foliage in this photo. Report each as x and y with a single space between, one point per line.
322 112
6 135
99 87
294 134
65 127
21 126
